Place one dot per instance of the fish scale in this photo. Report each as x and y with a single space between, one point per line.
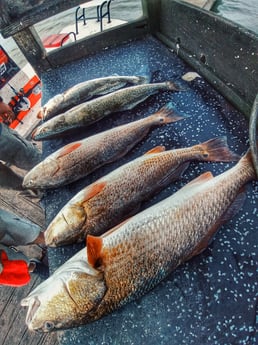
132 258
92 111
164 236
83 91
80 158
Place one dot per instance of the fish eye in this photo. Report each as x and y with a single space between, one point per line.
48 326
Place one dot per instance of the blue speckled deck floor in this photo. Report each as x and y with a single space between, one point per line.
212 298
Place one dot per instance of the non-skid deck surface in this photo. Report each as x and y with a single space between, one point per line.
210 299
12 316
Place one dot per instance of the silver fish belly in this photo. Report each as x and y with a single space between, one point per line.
84 91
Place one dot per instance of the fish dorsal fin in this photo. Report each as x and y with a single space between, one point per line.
94 248
156 149
194 185
201 179
93 190
68 149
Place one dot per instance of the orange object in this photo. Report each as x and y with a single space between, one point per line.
32 97
55 40
3 57
15 272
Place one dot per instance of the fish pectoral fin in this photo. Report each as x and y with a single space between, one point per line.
156 149
94 248
200 179
93 190
68 149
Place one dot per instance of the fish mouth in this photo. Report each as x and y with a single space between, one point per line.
56 241
64 231
33 304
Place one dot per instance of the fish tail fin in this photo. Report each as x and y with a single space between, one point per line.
217 150
168 114
143 79
171 86
247 164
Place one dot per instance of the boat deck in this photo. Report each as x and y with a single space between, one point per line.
12 316
212 298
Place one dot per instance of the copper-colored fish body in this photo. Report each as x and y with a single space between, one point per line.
129 260
106 202
80 158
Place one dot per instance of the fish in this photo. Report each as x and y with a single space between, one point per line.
80 158
132 258
86 90
92 111
108 201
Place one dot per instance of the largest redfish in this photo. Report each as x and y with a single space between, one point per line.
80 158
131 259
106 202
89 112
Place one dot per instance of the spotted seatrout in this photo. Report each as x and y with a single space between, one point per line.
86 90
89 112
132 258
105 203
80 158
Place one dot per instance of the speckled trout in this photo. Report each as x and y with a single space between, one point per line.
86 90
106 202
92 111
80 158
132 258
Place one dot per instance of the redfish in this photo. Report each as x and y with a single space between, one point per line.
80 158
106 202
86 90
89 112
132 258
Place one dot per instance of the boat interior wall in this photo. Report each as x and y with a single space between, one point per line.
220 50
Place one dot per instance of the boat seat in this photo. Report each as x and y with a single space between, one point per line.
57 40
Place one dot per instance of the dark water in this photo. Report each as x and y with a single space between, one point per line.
243 12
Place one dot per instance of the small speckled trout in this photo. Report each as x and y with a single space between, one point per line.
86 90
106 202
132 258
89 112
80 158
